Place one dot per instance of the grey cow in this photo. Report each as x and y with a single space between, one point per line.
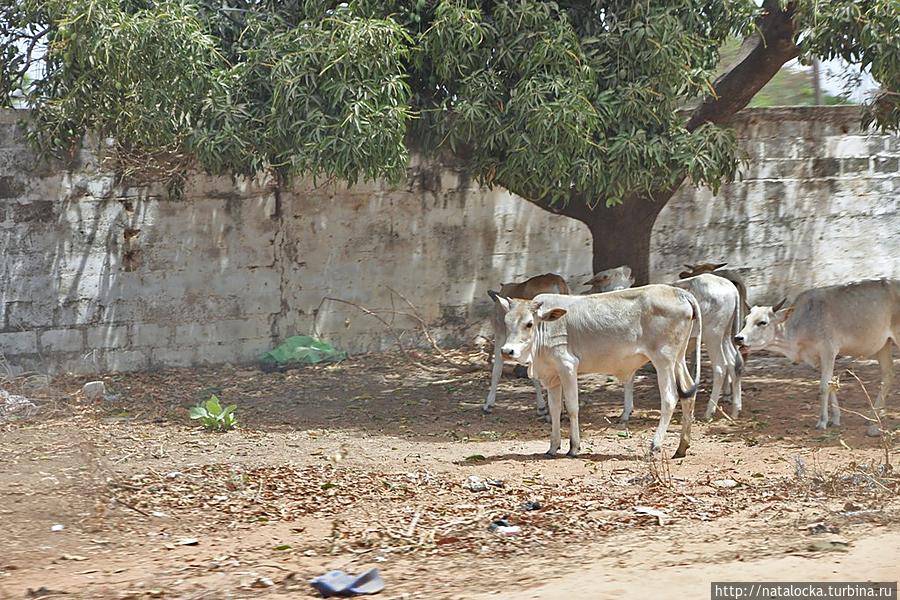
857 319
720 303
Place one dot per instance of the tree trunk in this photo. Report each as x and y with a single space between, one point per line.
621 235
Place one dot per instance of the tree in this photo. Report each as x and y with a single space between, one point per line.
593 109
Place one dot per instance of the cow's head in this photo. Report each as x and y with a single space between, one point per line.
522 318
761 325
608 280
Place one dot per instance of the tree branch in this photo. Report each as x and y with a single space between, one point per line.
762 55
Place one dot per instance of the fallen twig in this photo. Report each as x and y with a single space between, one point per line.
381 320
132 507
885 436
416 316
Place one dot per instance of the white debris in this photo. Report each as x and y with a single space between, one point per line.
725 483
94 390
15 407
475 484
661 517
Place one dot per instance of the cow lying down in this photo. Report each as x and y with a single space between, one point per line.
615 333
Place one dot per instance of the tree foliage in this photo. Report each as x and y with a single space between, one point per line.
575 99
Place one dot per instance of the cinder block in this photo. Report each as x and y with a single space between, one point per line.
62 340
887 165
825 167
107 336
222 331
173 357
76 312
847 146
151 334
779 148
854 166
18 342
126 360
31 315
10 187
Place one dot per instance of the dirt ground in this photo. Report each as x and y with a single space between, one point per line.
362 464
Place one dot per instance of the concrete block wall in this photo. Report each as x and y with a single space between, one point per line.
818 203
96 275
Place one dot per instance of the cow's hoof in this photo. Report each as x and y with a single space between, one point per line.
681 452
623 419
572 453
873 430
821 425
551 453
487 409
834 423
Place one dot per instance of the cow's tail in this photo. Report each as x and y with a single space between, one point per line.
687 386
736 325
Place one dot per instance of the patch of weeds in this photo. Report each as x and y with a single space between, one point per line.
213 416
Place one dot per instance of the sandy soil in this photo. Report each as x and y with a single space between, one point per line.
362 464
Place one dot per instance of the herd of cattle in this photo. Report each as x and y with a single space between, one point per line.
615 329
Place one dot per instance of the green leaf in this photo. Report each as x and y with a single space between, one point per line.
213 406
198 412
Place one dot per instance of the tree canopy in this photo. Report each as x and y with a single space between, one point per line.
571 104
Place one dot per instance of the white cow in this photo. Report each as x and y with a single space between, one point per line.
528 289
858 319
614 333
720 303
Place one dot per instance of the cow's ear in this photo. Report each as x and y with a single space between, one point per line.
784 314
501 300
551 314
719 266
778 306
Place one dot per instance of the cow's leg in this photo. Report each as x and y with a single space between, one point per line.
687 419
887 379
735 377
496 372
570 396
554 395
719 362
827 372
539 399
629 400
668 396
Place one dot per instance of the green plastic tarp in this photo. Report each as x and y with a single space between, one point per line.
301 350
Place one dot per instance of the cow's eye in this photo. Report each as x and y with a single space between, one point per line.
762 323
529 325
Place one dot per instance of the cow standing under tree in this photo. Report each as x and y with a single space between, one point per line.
720 302
526 290
614 333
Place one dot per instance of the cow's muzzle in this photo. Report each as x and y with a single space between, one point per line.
508 352
739 340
